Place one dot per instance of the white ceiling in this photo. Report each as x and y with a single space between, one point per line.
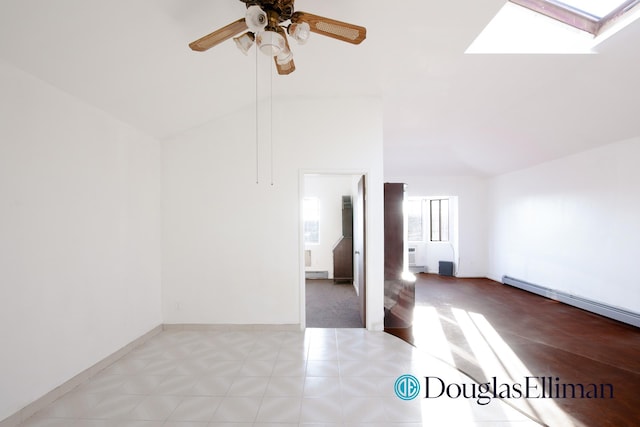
446 113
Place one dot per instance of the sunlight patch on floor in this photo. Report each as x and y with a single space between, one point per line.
496 359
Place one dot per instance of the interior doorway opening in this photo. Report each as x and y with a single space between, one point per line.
333 237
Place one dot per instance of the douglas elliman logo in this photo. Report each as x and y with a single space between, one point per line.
407 387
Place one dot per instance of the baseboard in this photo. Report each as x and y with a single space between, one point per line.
44 401
596 307
233 328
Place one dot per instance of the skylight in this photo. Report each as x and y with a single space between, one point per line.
554 26
596 8
592 16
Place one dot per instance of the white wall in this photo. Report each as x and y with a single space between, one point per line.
572 225
471 194
328 189
232 249
79 237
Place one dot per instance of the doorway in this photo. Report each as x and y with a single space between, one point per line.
333 285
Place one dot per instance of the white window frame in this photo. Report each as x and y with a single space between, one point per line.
440 222
576 18
422 220
308 217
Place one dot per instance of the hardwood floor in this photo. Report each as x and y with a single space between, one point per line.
488 329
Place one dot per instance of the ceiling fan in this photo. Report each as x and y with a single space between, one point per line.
268 22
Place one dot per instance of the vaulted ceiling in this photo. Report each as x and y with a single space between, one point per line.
445 112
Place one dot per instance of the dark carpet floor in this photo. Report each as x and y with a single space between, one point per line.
331 306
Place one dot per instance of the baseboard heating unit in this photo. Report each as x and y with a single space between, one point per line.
609 311
316 274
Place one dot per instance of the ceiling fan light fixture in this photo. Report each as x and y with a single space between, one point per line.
244 42
270 23
271 43
300 32
284 57
256 18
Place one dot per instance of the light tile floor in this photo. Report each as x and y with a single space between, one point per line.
320 377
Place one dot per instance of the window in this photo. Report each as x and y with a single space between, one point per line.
592 16
414 220
423 212
311 220
596 8
554 26
439 220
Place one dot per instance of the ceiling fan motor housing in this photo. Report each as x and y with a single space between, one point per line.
283 8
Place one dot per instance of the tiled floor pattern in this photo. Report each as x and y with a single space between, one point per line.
320 377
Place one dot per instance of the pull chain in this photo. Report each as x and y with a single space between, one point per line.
257 130
271 125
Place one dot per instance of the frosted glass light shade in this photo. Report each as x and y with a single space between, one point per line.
300 32
256 18
244 42
284 57
270 43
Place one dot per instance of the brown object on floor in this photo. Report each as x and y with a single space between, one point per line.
550 339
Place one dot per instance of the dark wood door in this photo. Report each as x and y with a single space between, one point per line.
399 290
359 244
393 230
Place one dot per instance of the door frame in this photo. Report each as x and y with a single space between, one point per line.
322 172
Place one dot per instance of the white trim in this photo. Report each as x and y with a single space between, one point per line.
48 398
327 172
596 307
204 327
41 403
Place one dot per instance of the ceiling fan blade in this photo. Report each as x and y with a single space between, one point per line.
218 36
331 28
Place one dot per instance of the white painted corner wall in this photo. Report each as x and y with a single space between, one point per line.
90 207
232 248
572 225
79 237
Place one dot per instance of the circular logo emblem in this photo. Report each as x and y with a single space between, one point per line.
407 387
